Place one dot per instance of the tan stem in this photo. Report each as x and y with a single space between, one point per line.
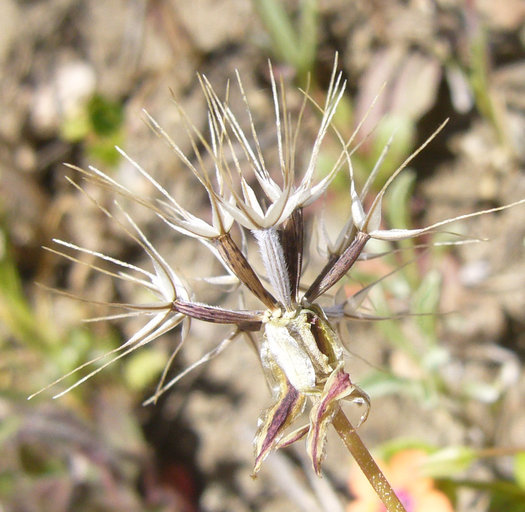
367 464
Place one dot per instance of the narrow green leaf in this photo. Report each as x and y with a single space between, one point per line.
449 461
519 469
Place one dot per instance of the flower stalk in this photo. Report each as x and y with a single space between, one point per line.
366 462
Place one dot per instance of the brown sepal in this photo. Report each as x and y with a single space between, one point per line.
274 421
239 265
246 320
331 274
292 239
337 387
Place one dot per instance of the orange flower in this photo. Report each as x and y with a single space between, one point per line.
416 491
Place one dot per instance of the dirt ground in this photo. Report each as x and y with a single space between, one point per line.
98 448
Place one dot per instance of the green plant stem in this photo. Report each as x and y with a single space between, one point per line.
367 464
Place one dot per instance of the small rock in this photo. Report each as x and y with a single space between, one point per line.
9 15
213 23
64 95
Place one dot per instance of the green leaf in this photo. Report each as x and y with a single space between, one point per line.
16 313
401 190
519 469
426 302
307 36
106 117
295 44
143 367
403 130
390 448
8 428
76 127
449 461
280 28
382 383
103 148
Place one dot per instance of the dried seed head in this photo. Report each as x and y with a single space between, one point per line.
300 351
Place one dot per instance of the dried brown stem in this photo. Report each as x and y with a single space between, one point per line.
367 464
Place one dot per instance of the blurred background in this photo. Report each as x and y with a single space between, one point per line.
75 76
